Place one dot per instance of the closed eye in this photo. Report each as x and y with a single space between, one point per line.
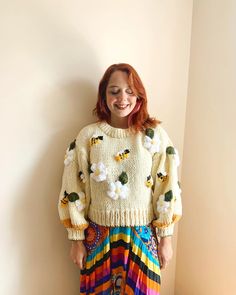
129 91
114 92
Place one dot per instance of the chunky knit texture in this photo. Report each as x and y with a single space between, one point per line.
117 178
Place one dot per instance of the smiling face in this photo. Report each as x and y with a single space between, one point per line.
120 99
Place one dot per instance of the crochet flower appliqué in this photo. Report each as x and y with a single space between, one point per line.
176 156
98 171
118 189
164 201
162 205
170 150
151 141
69 154
82 177
77 198
80 203
179 191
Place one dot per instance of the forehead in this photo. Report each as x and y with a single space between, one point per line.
118 78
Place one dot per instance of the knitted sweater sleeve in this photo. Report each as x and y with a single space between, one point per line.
72 199
166 193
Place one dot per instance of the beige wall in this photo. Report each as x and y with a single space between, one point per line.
53 54
206 259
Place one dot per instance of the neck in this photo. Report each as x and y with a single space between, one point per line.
119 122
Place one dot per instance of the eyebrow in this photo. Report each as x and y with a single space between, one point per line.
113 86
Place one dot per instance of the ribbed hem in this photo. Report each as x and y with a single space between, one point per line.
113 131
74 234
130 217
164 232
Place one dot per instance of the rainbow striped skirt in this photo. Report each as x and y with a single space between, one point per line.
121 260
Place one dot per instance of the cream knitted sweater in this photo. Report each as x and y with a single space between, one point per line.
117 178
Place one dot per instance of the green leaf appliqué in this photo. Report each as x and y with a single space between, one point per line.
123 178
170 150
72 197
72 145
168 196
149 132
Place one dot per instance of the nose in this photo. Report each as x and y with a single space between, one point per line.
122 95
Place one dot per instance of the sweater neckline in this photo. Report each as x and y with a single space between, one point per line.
113 131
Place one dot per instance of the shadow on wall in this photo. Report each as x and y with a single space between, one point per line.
40 239
58 53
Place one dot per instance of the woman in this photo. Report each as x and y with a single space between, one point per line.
120 193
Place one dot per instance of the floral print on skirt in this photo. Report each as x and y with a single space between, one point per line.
120 261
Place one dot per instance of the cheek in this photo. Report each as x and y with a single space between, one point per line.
110 100
133 100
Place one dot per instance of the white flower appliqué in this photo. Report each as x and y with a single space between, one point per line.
152 141
178 207
80 203
70 153
162 205
68 157
99 171
171 151
176 157
82 177
117 190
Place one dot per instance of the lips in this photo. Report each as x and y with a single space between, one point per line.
121 106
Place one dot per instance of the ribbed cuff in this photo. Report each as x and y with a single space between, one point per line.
164 232
75 235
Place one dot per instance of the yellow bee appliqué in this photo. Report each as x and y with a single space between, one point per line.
149 181
162 177
122 155
65 200
95 140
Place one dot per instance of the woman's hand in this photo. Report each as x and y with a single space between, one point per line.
165 251
78 253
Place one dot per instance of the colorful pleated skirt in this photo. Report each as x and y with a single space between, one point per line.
121 260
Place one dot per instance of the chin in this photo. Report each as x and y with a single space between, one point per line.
123 115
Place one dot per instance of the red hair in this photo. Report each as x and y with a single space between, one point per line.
139 118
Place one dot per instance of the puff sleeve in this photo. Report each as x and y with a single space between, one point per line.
166 192
72 199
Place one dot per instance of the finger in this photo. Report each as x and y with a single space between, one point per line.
164 263
84 261
160 261
81 264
